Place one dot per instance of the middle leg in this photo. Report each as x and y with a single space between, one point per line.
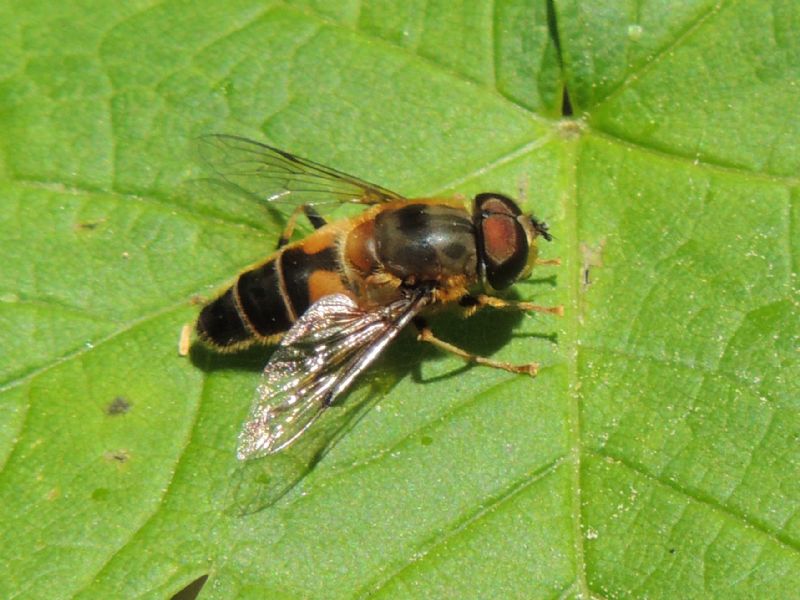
426 335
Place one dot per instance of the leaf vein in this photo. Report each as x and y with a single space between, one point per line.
451 411
440 537
74 355
158 505
190 213
637 356
491 90
572 347
775 536
652 61
717 167
506 158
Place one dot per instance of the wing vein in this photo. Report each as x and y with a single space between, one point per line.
317 360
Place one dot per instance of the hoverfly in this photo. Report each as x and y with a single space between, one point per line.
335 299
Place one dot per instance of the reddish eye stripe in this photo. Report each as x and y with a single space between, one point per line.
500 237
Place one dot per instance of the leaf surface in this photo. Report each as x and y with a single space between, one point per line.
656 455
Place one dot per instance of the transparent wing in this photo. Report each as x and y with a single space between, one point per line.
270 174
316 361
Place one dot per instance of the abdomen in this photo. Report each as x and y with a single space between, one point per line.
265 301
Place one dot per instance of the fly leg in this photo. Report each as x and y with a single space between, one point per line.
316 219
426 335
475 303
313 216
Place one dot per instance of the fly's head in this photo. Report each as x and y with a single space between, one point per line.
506 239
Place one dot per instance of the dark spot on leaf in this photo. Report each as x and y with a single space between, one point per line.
100 494
118 456
426 440
672 550
191 591
118 406
89 225
591 257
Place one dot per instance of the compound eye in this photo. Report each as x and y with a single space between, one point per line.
504 245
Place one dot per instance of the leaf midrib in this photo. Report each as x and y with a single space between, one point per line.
572 263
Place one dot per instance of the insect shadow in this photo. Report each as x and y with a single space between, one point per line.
259 483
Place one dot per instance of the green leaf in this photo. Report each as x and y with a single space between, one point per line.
656 455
